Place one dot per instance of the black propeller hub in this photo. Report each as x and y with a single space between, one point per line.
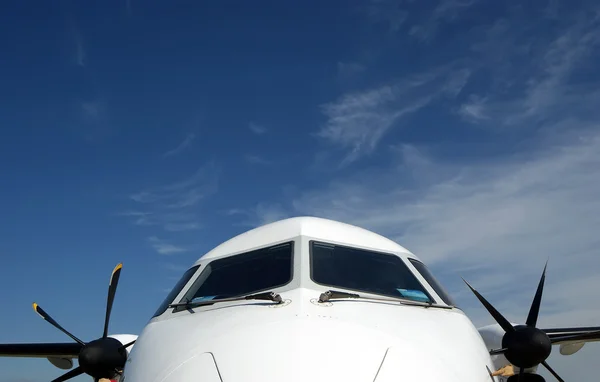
101 358
526 346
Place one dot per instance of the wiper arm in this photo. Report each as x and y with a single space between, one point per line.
267 296
335 294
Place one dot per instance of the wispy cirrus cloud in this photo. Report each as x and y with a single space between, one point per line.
446 11
187 141
357 121
546 85
257 129
174 207
262 213
392 13
164 248
256 160
80 56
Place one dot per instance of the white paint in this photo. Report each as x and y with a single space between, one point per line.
344 340
317 228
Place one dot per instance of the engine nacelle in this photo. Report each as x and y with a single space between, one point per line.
492 337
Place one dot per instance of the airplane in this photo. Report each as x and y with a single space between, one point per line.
311 299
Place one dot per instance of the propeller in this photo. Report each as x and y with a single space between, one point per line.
100 358
525 346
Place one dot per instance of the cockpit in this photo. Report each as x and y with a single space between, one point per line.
312 264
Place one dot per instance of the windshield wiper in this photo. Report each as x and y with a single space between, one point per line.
267 296
335 294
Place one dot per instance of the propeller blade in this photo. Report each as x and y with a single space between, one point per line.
71 374
498 351
521 372
47 317
112 289
575 337
503 322
558 378
534 311
127 345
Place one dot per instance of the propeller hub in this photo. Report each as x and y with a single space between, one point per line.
101 358
526 346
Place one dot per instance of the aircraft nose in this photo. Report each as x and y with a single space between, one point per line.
333 350
200 367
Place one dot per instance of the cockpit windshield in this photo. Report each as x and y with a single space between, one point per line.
366 271
251 272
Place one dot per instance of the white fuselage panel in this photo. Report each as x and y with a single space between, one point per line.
301 340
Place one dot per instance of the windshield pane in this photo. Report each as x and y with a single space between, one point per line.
363 270
437 287
247 273
175 291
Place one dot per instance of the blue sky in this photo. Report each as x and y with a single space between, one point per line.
148 133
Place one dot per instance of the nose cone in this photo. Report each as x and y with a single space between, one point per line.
302 341
301 350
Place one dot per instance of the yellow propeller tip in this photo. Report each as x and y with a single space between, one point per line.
35 305
119 266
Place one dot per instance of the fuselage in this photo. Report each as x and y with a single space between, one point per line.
303 340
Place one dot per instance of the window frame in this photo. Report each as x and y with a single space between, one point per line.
434 283
417 276
179 286
198 281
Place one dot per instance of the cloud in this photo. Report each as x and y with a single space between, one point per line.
182 146
163 247
93 120
446 11
80 55
349 69
262 213
174 206
256 159
538 80
388 12
357 121
257 129
186 193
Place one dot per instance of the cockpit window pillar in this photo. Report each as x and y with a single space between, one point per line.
365 271
431 280
176 290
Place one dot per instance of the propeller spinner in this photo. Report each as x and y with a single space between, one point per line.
103 357
526 346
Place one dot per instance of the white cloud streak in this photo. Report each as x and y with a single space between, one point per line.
257 129
357 121
445 12
256 160
182 146
164 248
174 206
